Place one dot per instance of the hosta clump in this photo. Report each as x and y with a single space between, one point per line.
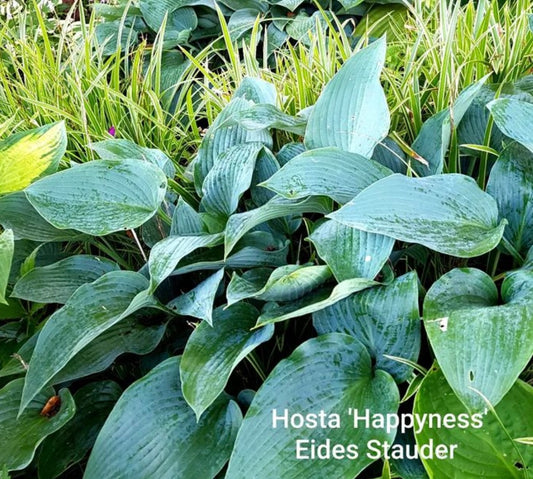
301 260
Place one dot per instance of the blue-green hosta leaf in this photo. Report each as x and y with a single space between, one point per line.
222 135
256 90
198 302
165 255
185 220
316 301
213 352
7 248
304 27
326 172
286 283
434 137
239 224
385 319
447 213
17 213
57 282
265 116
119 149
487 450
130 335
290 4
513 117
389 154
254 250
28 155
117 35
289 151
21 435
66 447
90 311
331 373
265 166
229 178
241 22
154 11
511 184
481 346
349 252
100 197
352 113
153 432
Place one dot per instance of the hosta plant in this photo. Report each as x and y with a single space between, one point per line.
303 290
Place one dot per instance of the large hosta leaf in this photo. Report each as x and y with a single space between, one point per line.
229 178
326 172
17 213
153 432
154 11
92 309
213 352
486 450
434 138
481 346
66 447
385 319
286 283
316 301
447 213
57 282
100 197
349 252
198 302
352 113
331 373
7 248
513 117
239 224
20 436
511 184
165 255
28 155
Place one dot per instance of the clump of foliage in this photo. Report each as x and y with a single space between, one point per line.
294 276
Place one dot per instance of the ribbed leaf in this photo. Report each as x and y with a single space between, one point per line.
331 373
239 224
100 197
57 282
385 319
513 117
165 255
487 451
154 11
21 435
316 301
28 155
153 432
349 252
286 283
66 447
352 113
199 301
511 184
212 353
434 137
185 220
91 310
7 248
481 346
119 149
256 90
17 213
229 178
261 117
447 213
326 172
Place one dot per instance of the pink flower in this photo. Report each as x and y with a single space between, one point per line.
112 131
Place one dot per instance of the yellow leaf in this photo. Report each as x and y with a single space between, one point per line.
26 156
